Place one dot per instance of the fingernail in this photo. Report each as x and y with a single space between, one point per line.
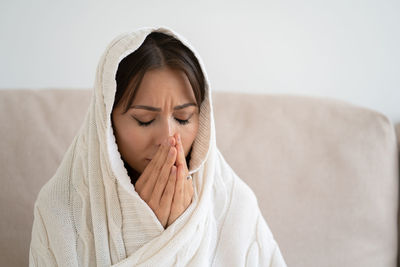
179 137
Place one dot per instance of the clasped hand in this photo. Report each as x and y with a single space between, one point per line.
163 186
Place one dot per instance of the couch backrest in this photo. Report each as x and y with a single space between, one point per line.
325 172
37 126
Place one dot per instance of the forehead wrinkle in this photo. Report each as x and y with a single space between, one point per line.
156 109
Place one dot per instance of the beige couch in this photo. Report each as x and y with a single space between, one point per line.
325 172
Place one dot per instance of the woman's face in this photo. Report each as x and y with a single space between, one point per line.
166 104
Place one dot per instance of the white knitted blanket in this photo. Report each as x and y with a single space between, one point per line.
89 214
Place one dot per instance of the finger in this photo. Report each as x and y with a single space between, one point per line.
168 193
181 160
158 160
179 187
164 175
151 171
178 205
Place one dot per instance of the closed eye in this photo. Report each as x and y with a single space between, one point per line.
144 124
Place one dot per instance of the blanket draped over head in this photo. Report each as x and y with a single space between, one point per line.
89 214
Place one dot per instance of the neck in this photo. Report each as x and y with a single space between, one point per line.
132 173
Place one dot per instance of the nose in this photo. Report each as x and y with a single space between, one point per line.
167 128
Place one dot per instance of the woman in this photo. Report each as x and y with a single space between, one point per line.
143 182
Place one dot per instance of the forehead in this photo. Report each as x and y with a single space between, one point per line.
163 84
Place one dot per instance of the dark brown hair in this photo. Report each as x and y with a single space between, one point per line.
158 50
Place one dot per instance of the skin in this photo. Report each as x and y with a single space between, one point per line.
162 183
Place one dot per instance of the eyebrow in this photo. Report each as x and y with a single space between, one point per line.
159 109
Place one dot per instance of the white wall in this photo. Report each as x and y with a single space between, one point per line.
345 49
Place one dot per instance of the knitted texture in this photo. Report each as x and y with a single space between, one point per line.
89 214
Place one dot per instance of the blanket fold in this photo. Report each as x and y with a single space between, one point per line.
89 214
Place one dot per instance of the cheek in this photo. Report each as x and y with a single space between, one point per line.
133 139
129 141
